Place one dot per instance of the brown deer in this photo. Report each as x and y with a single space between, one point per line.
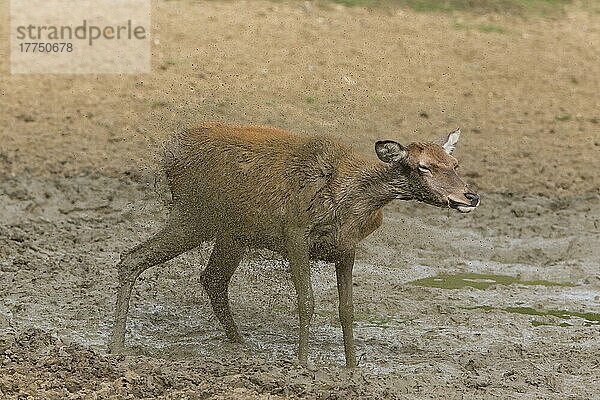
307 198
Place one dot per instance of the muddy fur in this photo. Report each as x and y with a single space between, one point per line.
255 181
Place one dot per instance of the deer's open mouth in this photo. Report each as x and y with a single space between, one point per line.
465 209
462 207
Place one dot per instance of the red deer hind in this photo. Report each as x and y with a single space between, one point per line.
307 198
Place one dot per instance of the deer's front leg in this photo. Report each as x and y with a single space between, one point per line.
297 249
343 269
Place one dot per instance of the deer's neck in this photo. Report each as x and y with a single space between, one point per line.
369 188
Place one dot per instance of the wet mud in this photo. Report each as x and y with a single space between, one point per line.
499 303
525 325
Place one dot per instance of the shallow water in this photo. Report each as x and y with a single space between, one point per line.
479 281
588 319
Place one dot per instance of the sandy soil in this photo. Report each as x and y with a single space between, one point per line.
78 185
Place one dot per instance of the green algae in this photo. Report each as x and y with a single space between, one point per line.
589 319
479 281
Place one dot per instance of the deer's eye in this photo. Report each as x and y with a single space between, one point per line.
423 169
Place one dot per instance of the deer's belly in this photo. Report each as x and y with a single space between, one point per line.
322 241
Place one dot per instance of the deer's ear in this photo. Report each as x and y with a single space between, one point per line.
449 142
390 152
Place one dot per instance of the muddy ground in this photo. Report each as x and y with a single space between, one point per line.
500 303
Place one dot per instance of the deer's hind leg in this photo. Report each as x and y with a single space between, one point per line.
175 238
224 260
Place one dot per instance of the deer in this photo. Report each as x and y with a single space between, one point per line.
307 198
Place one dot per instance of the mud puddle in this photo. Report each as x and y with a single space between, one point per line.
562 318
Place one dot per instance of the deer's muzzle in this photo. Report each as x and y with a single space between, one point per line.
466 203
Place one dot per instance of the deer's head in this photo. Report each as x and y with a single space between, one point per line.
427 172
